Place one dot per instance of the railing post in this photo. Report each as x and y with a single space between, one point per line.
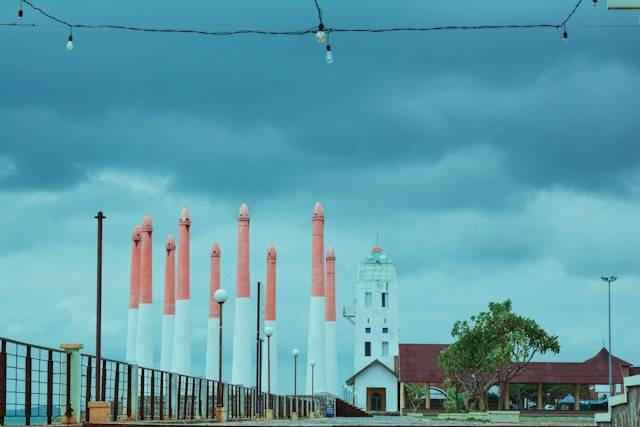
49 386
72 369
3 381
116 393
27 387
161 402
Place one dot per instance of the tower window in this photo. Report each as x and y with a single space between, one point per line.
367 330
367 299
367 348
385 330
385 299
385 349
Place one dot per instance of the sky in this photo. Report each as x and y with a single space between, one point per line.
493 165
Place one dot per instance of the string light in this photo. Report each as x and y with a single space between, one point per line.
70 41
329 55
20 12
594 3
321 31
321 36
565 35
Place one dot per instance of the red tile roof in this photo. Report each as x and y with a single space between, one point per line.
418 363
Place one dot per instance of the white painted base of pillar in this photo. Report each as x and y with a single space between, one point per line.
316 346
244 341
166 349
181 359
132 335
144 345
331 358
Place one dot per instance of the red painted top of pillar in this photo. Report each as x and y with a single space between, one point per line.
214 283
270 303
317 252
184 225
146 287
331 285
134 288
170 277
243 289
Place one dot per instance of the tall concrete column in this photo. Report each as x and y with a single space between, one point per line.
144 348
181 359
539 405
243 334
134 295
213 325
330 326
169 311
317 307
75 385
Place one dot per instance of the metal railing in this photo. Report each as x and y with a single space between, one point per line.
33 390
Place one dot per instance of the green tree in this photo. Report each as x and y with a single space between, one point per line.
491 349
414 394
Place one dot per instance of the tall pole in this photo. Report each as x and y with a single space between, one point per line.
269 366
258 341
610 280
220 359
99 217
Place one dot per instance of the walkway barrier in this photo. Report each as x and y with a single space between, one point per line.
41 385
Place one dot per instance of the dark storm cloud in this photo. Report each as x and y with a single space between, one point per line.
492 164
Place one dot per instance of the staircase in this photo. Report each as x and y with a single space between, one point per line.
343 409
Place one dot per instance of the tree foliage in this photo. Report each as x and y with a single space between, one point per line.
491 349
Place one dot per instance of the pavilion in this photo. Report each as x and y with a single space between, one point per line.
417 364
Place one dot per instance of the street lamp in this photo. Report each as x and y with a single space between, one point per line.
220 296
295 352
609 281
268 331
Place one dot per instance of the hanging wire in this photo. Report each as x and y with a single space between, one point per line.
299 32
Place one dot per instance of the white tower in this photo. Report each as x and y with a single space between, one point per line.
375 311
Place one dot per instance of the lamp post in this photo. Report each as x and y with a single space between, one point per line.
100 217
268 331
609 281
313 406
220 296
295 353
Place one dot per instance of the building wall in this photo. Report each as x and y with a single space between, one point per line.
376 376
376 274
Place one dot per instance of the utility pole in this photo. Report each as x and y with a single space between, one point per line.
99 217
609 281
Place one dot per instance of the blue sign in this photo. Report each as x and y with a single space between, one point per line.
329 410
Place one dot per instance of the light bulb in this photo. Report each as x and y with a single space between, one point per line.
20 13
594 3
70 43
329 55
321 36
565 36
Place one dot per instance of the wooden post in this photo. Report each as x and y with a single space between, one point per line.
576 404
539 403
427 396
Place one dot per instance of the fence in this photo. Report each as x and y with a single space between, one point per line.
40 385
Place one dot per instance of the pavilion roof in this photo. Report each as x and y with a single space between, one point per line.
417 363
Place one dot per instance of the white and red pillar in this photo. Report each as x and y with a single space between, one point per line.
244 334
270 352
330 338
169 311
181 359
144 346
317 307
134 297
